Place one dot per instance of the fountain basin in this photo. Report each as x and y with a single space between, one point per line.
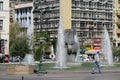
19 69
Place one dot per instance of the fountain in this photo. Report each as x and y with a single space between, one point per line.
67 47
52 55
29 59
77 59
106 48
61 52
72 45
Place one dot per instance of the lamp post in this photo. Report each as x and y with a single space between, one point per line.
41 40
40 17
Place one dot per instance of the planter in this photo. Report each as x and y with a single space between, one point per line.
19 69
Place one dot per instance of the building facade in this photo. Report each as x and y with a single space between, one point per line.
116 31
24 16
12 5
21 0
4 26
87 17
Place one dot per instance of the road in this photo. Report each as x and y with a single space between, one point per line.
63 75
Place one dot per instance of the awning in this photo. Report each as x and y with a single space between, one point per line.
92 51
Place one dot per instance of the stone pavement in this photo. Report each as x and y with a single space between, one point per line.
110 74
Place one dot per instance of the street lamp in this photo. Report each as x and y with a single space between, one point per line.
39 18
41 40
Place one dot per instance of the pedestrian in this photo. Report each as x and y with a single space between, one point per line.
19 59
96 63
6 59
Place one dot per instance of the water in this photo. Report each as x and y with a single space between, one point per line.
106 48
77 59
61 52
29 59
52 55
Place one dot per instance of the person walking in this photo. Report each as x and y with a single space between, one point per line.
96 63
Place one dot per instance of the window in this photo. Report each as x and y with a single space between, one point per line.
119 1
2 46
1 5
1 24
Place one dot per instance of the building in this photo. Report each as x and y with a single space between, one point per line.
87 17
4 26
24 16
49 21
116 37
21 0
12 5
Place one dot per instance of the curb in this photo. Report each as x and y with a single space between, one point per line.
74 72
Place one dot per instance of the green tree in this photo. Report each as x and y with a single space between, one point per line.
40 17
116 52
14 31
39 48
19 44
20 47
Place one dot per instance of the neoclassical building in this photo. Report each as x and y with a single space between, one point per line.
4 26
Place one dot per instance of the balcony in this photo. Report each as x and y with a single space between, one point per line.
117 30
117 12
97 37
79 30
118 22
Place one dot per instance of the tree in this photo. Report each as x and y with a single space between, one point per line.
40 18
39 48
82 49
20 47
14 31
116 52
19 44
